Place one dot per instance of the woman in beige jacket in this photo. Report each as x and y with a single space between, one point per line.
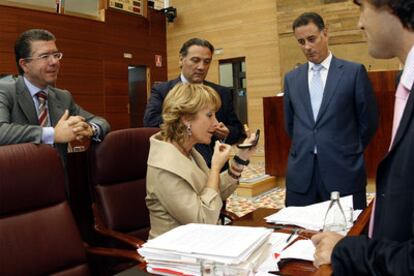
181 188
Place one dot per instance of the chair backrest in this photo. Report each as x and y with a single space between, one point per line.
38 234
118 168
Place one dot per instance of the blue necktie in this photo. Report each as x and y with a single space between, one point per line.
316 89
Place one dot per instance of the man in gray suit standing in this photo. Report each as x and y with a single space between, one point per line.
331 116
32 110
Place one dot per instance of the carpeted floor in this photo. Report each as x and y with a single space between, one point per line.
274 198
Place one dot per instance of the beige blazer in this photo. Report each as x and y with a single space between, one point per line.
176 188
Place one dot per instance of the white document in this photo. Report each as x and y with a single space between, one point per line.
278 242
301 249
312 216
171 264
193 242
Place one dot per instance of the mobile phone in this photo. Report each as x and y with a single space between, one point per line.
249 145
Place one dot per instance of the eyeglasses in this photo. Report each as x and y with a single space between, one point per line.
46 57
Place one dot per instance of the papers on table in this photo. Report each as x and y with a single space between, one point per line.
301 249
312 216
278 242
186 248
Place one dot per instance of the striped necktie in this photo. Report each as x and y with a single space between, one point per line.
43 117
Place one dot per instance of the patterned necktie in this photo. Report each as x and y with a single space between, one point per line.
316 89
43 118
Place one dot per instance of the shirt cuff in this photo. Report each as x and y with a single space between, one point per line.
48 135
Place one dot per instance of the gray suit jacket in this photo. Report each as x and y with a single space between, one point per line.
18 118
346 122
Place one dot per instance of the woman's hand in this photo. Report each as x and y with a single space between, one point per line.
220 156
246 153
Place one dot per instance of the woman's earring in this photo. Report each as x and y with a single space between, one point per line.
189 132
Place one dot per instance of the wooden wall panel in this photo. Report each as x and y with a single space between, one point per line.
93 68
345 39
117 99
277 142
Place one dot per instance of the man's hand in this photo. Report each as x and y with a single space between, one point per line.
81 128
222 131
324 244
69 128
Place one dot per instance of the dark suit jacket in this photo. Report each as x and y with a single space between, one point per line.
391 250
18 118
346 122
153 118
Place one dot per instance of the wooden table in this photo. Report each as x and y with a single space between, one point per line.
297 267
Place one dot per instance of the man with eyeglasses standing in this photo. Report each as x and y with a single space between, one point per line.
32 110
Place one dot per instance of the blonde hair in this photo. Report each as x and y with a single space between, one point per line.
185 100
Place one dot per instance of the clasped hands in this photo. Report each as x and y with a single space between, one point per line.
71 128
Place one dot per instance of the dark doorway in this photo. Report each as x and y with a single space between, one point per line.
233 76
137 87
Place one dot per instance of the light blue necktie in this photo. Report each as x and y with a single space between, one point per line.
316 89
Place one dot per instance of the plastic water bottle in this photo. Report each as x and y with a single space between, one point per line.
335 220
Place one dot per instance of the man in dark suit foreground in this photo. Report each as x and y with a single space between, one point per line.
331 116
195 58
389 28
32 110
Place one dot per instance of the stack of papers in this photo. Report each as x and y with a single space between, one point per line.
312 216
188 248
301 250
281 248
278 241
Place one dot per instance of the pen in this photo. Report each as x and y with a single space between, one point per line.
276 227
278 273
294 232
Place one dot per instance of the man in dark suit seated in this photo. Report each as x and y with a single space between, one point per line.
389 247
32 110
195 58
331 116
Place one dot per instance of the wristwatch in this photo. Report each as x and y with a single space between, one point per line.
94 130
241 161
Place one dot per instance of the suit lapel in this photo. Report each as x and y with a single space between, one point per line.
25 102
304 94
334 75
55 109
405 119
173 83
167 157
